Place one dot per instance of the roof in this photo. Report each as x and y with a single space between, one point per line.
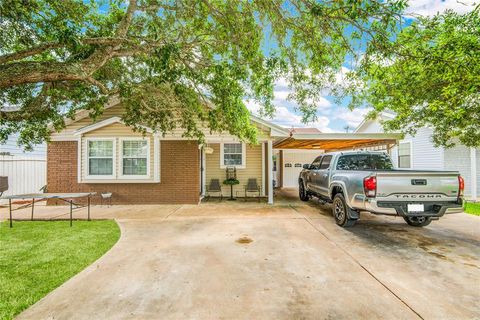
304 130
337 141
275 130
384 115
103 123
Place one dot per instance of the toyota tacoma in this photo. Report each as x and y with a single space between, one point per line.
362 181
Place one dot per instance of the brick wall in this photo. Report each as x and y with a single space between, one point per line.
179 175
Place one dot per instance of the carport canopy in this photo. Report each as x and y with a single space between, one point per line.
329 142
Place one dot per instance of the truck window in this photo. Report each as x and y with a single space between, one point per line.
364 162
325 162
316 163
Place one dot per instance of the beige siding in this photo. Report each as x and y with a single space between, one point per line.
118 110
118 132
67 133
253 168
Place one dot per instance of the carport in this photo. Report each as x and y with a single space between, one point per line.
301 148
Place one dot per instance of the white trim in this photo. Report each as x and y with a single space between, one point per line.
347 136
473 173
156 158
275 130
263 169
134 177
79 159
244 157
204 172
378 119
411 153
270 171
114 162
103 123
82 114
118 181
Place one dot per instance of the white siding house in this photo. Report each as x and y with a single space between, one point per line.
418 152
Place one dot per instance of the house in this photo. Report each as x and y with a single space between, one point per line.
419 152
108 156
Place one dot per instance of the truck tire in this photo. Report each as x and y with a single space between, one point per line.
340 212
302 193
417 221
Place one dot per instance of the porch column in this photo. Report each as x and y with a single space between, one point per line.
270 171
473 173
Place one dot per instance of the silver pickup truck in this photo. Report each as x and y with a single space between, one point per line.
366 181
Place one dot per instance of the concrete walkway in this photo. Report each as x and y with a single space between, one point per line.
290 261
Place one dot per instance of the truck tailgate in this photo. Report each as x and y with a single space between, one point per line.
417 186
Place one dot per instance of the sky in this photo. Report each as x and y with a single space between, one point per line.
334 117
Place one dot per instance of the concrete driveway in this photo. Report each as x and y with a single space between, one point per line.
290 261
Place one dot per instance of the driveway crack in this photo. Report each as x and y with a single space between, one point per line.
356 261
173 212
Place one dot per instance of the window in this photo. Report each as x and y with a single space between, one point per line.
325 162
316 163
379 161
288 165
404 155
232 155
134 158
100 158
298 165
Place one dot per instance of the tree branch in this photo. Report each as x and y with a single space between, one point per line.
127 19
29 52
98 84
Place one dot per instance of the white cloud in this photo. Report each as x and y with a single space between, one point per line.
432 7
281 95
286 118
353 118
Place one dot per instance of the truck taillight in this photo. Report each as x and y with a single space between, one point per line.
370 186
461 186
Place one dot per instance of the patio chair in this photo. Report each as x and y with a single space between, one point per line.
214 187
252 187
106 197
3 184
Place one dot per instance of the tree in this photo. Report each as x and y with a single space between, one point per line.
429 76
173 64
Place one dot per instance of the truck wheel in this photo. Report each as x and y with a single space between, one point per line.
417 221
340 211
302 192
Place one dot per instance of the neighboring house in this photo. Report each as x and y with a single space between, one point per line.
108 156
418 152
26 171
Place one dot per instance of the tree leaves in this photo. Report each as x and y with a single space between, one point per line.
430 76
177 64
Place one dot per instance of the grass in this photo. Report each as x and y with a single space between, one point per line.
38 256
473 208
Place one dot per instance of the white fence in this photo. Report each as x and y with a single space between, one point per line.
25 174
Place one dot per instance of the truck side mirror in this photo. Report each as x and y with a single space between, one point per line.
306 166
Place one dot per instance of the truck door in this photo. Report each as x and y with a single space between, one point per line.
323 176
312 174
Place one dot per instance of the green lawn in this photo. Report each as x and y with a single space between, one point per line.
38 256
473 208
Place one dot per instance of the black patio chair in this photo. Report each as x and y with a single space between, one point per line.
252 187
214 187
